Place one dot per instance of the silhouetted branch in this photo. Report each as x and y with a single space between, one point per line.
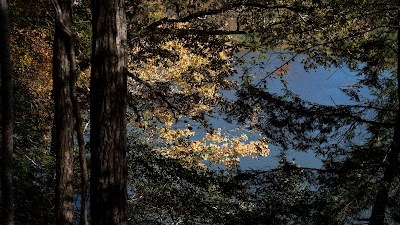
226 8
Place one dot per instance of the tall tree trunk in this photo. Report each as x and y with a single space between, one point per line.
7 117
108 190
63 68
392 164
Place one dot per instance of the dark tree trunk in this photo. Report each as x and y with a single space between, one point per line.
7 117
63 72
108 190
392 163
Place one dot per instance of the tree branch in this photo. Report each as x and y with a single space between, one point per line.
198 32
159 94
226 8
251 174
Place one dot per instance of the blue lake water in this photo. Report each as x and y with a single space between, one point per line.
322 86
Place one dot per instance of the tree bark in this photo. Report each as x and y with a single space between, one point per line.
63 69
108 190
7 117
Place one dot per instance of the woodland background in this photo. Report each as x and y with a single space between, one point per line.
98 88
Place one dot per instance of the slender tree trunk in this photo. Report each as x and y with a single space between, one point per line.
108 196
63 68
392 164
7 117
82 153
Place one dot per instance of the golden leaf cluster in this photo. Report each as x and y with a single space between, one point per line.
183 75
214 148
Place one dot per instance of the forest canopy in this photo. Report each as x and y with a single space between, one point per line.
114 104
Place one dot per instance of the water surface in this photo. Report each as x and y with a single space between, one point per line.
321 85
